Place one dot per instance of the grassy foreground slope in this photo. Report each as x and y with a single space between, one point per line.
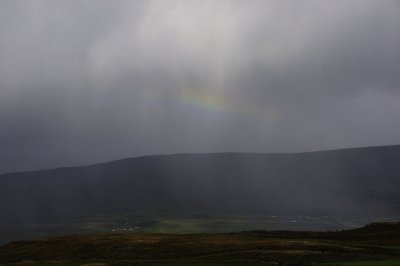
376 244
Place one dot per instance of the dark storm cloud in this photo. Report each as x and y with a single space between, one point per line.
87 81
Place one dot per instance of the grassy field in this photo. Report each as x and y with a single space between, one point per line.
377 244
148 223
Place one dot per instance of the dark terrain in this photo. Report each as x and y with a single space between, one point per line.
375 244
206 192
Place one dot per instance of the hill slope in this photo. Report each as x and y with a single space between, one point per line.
363 181
246 248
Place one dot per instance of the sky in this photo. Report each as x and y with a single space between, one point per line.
83 82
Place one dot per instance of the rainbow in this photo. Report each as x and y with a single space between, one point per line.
205 100
214 101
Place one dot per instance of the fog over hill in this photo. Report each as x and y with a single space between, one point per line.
362 181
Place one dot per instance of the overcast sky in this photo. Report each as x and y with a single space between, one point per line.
90 81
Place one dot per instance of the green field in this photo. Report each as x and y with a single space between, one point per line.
171 224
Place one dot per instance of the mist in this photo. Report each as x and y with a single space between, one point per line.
90 81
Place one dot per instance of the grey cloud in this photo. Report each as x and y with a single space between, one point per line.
89 81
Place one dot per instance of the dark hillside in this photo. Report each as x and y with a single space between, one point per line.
362 181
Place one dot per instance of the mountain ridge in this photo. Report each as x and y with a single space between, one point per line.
204 153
